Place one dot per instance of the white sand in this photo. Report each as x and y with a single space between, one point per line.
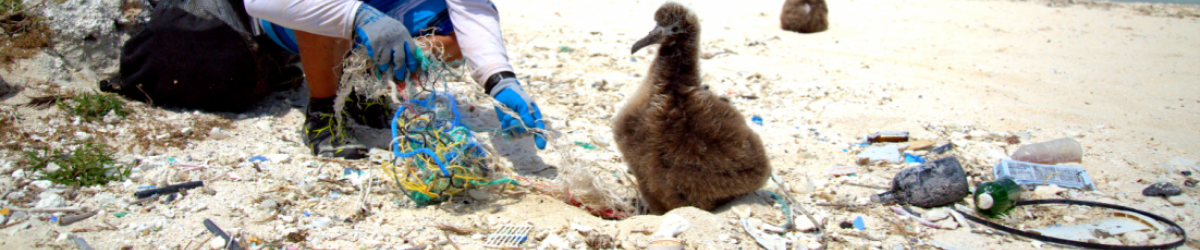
1122 76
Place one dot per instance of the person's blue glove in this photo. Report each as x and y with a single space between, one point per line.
509 92
387 41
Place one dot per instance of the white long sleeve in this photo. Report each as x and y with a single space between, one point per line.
477 26
324 17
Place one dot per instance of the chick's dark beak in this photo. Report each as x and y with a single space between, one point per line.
654 37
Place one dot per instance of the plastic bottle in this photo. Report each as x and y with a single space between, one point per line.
1051 152
932 184
995 198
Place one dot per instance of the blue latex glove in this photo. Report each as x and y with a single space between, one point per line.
509 92
387 41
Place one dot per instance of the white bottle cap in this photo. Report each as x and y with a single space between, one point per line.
984 201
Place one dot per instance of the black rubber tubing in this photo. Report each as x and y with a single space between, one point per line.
1182 233
168 189
230 242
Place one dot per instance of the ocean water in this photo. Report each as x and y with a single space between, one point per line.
1160 1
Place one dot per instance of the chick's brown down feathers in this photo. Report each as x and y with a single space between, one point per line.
804 16
685 146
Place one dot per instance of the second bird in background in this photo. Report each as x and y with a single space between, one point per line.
804 16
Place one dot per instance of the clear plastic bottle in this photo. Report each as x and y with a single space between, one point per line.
995 198
1051 152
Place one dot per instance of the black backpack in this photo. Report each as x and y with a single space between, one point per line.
199 54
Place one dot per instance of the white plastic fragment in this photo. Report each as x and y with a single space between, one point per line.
321 222
217 134
766 240
936 214
554 242
479 195
671 225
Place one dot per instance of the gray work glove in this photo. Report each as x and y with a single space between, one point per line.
387 41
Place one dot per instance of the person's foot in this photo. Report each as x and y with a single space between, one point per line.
326 136
375 113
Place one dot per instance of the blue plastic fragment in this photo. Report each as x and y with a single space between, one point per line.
858 224
258 158
757 120
53 218
305 213
909 158
351 172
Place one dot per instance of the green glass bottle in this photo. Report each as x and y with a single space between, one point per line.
995 198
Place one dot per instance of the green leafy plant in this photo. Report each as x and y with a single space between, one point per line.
89 165
8 6
93 106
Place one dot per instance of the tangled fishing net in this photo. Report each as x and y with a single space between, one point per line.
437 156
579 185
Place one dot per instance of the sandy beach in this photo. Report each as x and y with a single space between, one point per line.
1120 78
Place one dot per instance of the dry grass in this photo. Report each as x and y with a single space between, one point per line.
146 135
24 31
11 135
460 230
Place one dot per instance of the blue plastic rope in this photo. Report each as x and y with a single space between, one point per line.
430 104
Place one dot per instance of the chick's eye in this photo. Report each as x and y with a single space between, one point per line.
674 29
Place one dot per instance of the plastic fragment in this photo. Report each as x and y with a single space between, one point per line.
585 145
942 149
79 242
766 240
258 158
1030 175
840 170
909 158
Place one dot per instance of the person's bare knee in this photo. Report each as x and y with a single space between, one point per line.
321 58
